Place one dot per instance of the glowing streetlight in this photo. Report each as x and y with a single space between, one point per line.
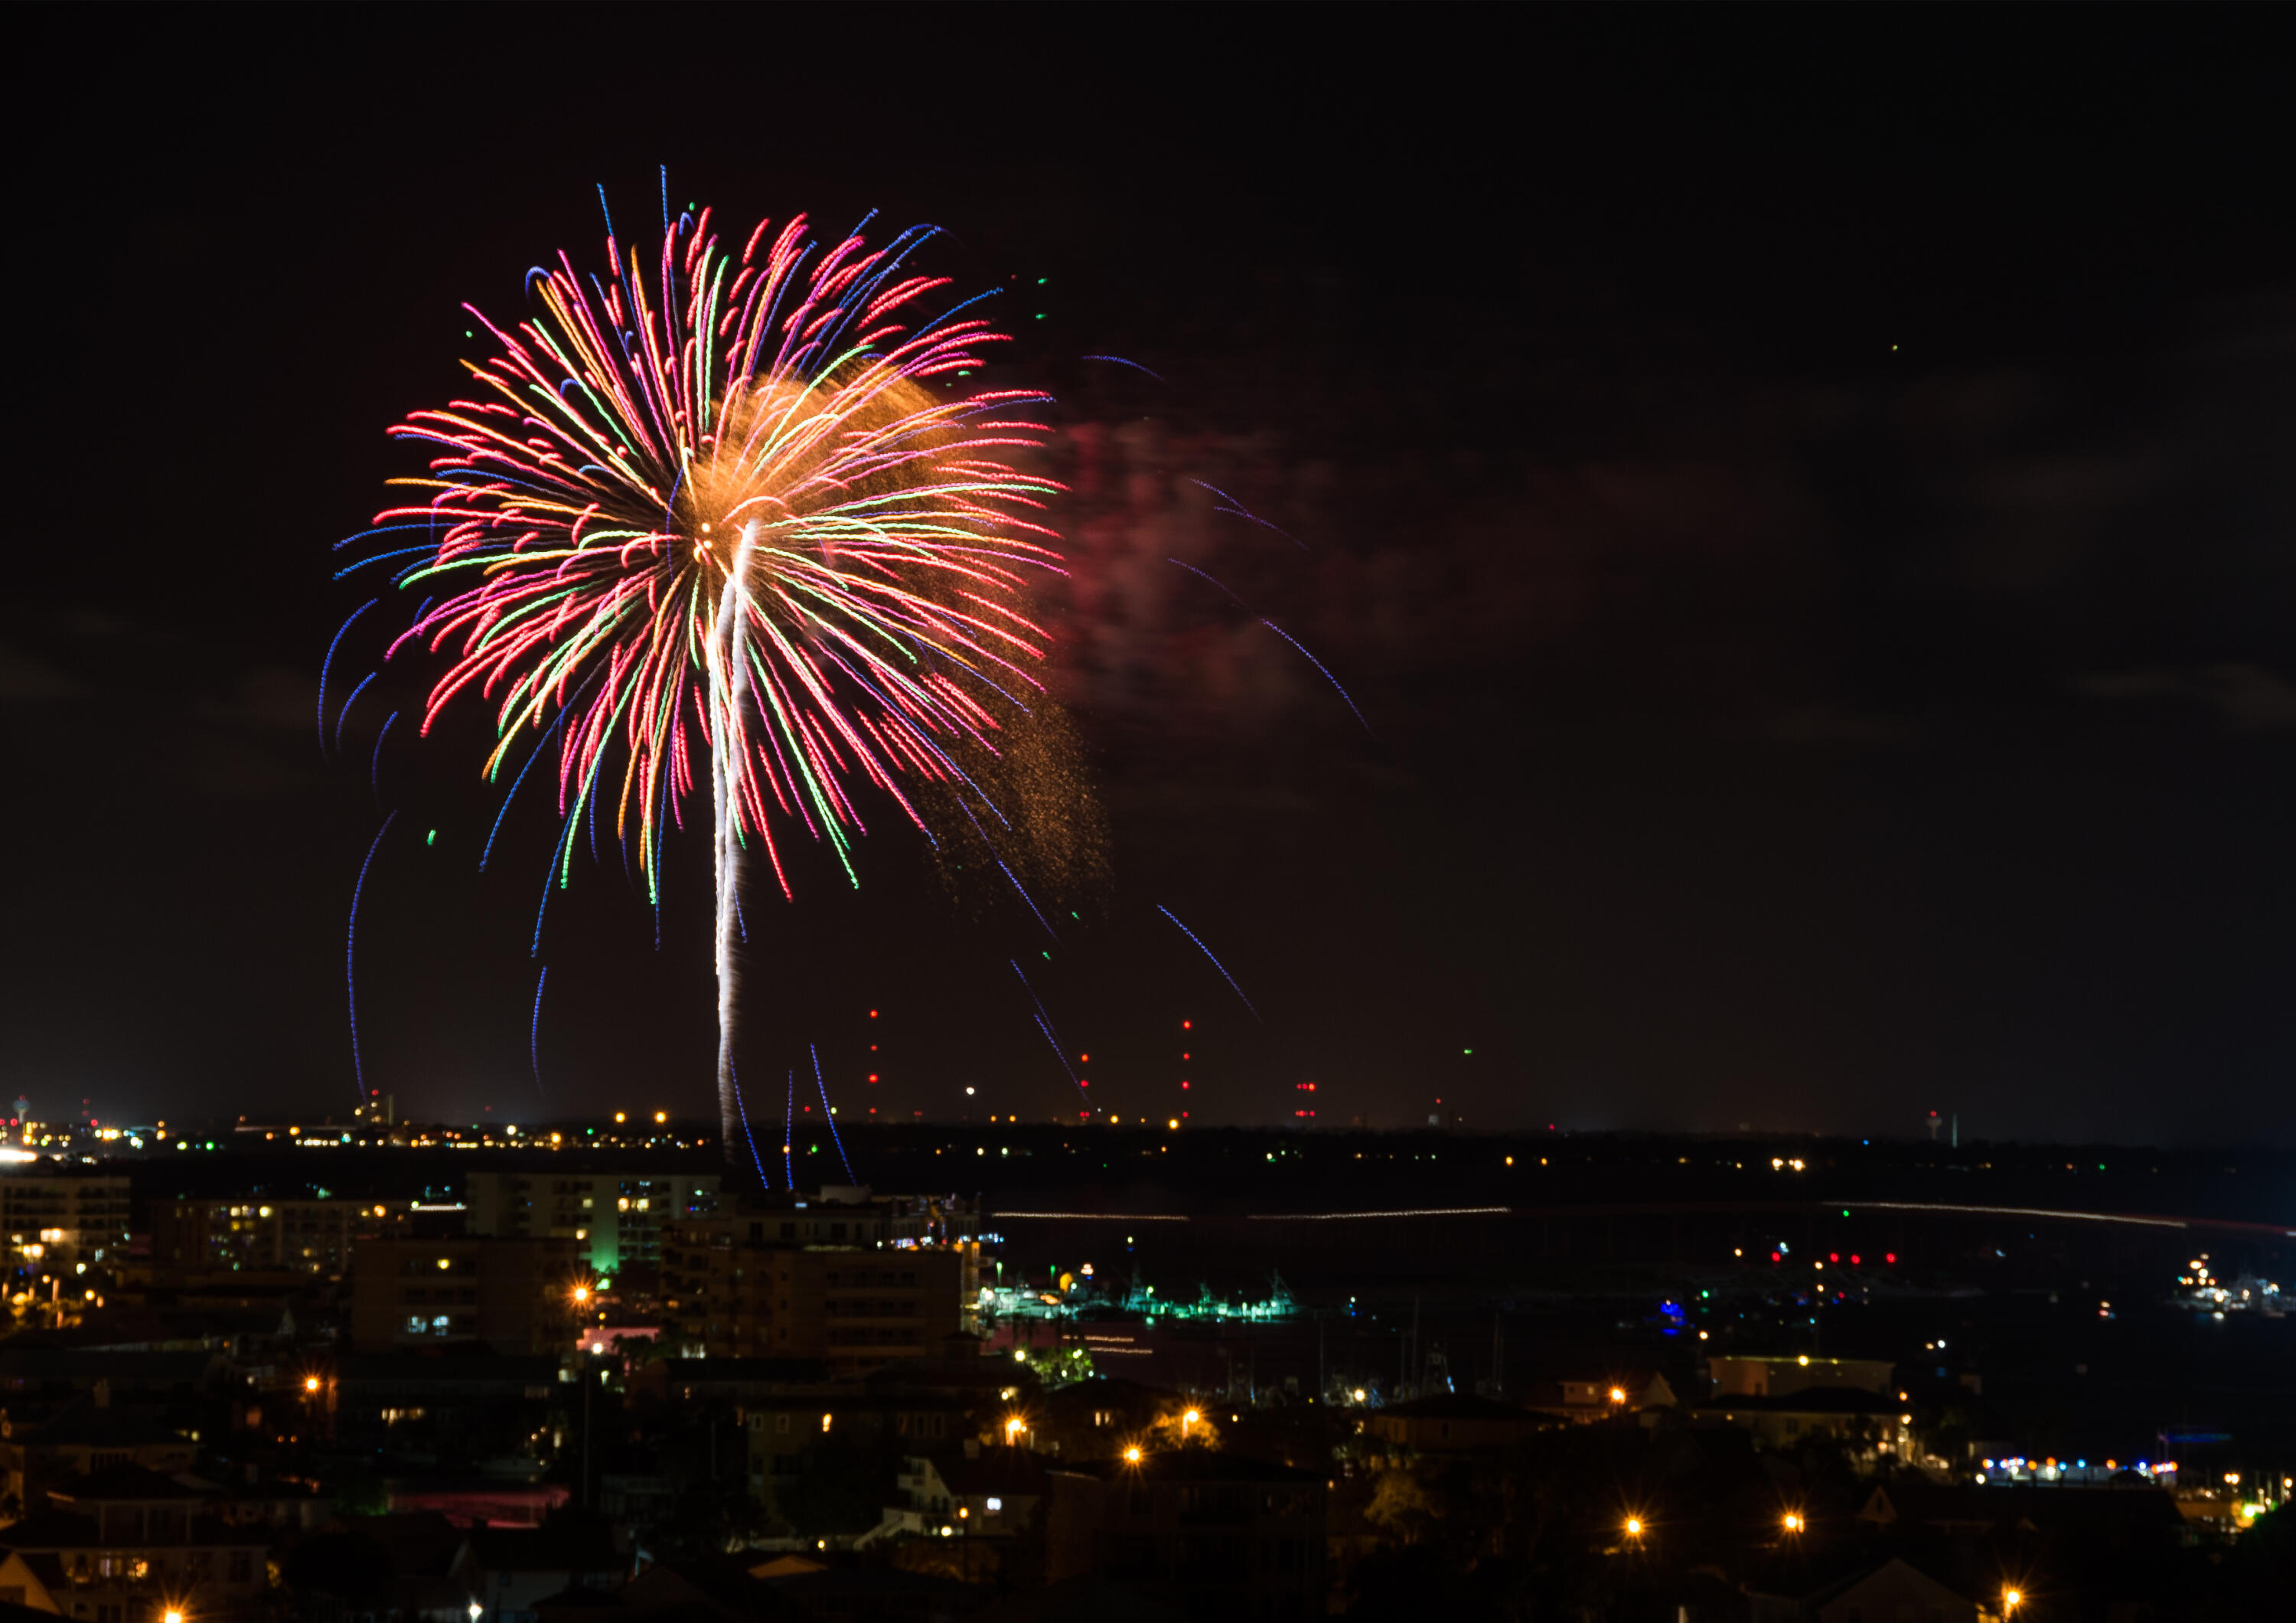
1014 1428
173 1614
1618 1395
1186 1421
310 1383
1634 1527
477 1611
1794 1523
2012 1599
1132 1454
581 1295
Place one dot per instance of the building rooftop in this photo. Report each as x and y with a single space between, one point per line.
1457 1406
1186 1465
126 1484
1809 1400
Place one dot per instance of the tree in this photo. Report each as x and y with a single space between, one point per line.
1401 1505
840 1492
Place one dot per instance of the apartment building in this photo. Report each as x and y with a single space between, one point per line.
614 1219
514 1295
250 1233
855 1284
56 1218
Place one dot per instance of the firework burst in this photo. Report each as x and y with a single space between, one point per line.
723 515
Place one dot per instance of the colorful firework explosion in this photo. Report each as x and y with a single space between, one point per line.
736 506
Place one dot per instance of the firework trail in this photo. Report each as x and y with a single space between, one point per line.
534 1032
1044 1025
1239 510
828 1115
329 660
344 714
374 769
1319 665
1206 952
1135 365
350 955
727 497
742 1110
789 1130
1210 582
1280 631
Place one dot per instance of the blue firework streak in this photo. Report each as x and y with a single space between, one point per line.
747 1136
1207 952
534 1031
350 956
828 1115
1044 1025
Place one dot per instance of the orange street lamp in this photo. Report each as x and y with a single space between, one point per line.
310 1383
1794 1523
581 1295
1132 1454
2012 1599
174 1614
1634 1527
1618 1395
1014 1428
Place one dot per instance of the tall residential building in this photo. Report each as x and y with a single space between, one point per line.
613 1219
249 1232
856 1282
515 1296
56 1218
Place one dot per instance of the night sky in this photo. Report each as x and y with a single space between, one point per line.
1804 501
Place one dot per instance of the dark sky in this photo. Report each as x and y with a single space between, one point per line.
1802 500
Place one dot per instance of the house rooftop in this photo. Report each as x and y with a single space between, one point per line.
127 1484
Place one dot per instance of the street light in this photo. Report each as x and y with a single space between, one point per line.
310 1383
1186 1421
173 1614
1132 1454
1793 1521
1014 1428
581 1295
476 1611
2012 1599
1634 1527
